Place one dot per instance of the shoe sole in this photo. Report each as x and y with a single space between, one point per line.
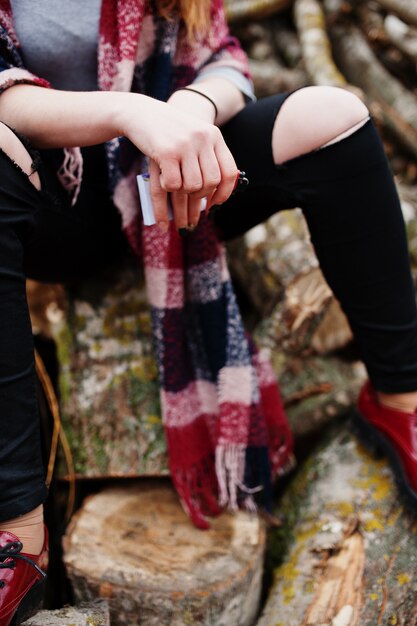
378 444
29 604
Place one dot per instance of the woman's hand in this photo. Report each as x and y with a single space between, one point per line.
188 157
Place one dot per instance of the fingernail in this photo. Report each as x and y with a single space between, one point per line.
183 232
191 227
241 182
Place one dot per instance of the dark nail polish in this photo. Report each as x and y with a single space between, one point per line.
183 232
241 183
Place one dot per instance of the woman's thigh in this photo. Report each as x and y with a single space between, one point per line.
67 243
249 138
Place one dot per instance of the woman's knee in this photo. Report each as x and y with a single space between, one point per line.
312 117
11 145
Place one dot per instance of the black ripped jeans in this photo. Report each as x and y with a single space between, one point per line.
352 209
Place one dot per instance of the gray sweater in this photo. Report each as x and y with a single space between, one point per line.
50 31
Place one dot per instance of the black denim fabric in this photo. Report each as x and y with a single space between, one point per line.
43 237
352 209
348 197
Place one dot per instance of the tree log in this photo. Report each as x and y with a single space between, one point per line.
405 9
245 9
310 22
108 380
136 547
94 613
287 44
270 77
397 106
352 557
279 258
402 35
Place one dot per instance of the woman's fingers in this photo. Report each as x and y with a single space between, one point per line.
210 173
228 172
192 174
179 202
170 174
194 210
204 168
158 196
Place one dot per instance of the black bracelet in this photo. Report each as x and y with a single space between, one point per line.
204 96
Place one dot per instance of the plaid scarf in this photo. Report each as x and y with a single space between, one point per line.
226 431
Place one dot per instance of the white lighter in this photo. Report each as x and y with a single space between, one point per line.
146 200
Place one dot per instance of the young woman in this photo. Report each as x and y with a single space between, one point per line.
165 88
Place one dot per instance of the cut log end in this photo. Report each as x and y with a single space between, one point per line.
86 614
136 547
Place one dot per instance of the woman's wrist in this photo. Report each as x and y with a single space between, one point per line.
189 101
228 98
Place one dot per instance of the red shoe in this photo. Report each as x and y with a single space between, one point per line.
395 433
22 579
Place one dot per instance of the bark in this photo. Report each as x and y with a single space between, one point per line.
279 258
108 380
87 614
270 77
402 35
310 22
405 9
287 45
351 560
396 105
245 9
136 547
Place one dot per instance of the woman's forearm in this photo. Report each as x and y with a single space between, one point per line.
51 118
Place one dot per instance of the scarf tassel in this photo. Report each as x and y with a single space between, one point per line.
71 172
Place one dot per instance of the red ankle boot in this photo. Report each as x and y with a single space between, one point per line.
393 432
22 579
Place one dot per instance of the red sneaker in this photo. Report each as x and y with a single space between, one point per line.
22 579
395 433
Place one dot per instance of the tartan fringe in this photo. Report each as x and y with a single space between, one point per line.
230 467
197 489
71 172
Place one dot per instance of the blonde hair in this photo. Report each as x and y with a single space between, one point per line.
194 13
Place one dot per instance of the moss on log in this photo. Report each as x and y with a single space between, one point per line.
108 381
353 556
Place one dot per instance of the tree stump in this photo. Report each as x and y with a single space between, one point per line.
353 557
135 546
88 614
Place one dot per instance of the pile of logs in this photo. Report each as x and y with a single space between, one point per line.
366 45
349 563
